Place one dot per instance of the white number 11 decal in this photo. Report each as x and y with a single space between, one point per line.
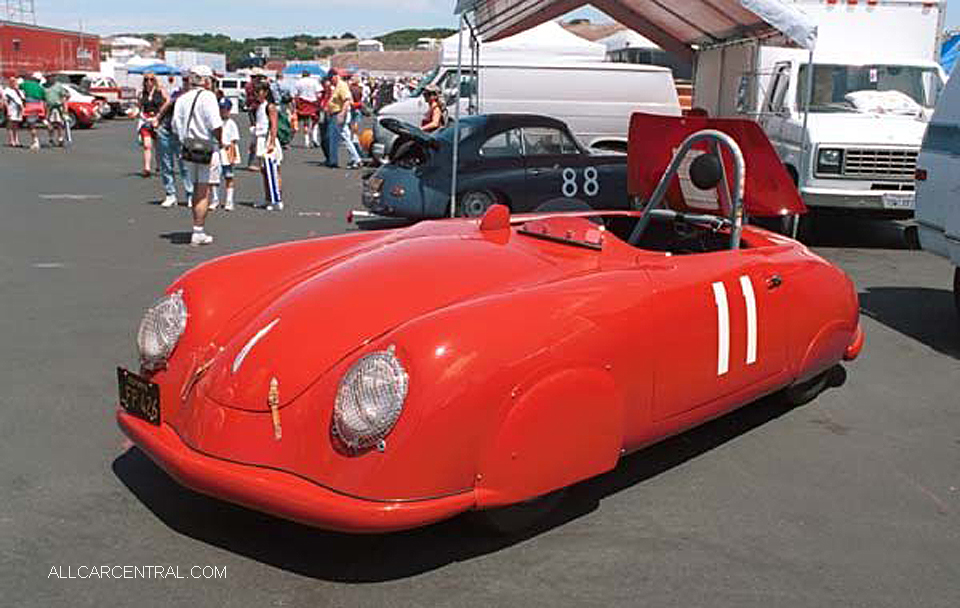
723 324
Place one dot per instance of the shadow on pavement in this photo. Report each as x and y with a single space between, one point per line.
360 558
924 314
838 231
177 238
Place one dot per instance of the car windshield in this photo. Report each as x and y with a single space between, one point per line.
896 89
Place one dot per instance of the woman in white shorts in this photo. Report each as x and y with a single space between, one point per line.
269 150
12 103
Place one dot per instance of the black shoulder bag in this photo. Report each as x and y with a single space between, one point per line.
196 150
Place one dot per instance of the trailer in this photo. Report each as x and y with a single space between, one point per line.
849 136
27 48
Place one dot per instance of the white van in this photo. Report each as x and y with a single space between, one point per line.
594 99
938 182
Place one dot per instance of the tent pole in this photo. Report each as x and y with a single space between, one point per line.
456 126
807 97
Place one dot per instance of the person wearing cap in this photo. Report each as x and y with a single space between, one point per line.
229 152
436 116
306 100
338 127
196 118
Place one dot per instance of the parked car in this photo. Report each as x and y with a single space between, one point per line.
112 100
379 381
938 181
518 160
83 111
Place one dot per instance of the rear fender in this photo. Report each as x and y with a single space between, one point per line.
827 348
564 428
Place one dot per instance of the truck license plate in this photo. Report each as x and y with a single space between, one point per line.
898 200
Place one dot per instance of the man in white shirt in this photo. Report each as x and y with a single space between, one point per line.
196 117
307 94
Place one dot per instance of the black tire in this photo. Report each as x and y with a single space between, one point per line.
956 289
72 120
518 518
805 392
474 203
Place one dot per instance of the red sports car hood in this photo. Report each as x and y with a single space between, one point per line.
317 322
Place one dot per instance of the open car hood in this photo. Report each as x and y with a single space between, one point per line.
769 190
405 129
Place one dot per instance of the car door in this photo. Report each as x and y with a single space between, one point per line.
557 168
723 336
497 168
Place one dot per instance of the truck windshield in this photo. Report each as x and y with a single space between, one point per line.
897 89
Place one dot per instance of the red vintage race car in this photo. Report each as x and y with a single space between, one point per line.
374 382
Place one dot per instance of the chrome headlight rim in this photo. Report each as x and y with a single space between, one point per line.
160 330
359 422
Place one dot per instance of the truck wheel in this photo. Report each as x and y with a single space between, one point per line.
956 288
806 227
514 519
474 204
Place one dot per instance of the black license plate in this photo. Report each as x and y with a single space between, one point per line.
139 396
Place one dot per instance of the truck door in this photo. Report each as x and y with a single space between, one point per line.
775 111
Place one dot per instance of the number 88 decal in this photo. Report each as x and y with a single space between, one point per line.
591 182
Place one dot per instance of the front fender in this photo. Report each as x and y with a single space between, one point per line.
565 428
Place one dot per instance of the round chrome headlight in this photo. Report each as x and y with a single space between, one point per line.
160 329
369 400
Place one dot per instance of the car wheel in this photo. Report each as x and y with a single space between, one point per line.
72 120
805 392
474 204
520 517
106 110
956 289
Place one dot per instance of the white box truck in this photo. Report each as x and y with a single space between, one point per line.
875 83
938 183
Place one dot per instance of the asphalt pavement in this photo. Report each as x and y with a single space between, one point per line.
852 500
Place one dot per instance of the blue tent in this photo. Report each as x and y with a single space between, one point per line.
299 68
949 52
160 69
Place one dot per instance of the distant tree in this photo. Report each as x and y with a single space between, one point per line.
302 54
327 51
347 35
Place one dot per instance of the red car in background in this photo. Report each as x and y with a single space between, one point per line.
373 382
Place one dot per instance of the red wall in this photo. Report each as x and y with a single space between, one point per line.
30 48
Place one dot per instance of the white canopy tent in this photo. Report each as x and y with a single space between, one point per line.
548 41
677 26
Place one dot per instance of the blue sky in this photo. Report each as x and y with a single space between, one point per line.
245 18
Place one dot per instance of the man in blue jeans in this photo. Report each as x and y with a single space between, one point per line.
338 121
170 159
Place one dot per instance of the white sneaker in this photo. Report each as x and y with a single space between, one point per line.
200 238
35 145
275 207
169 201
214 205
228 207
261 205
